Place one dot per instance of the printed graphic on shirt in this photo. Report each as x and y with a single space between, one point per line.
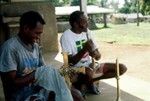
79 46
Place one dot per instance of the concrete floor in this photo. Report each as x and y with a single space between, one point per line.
132 89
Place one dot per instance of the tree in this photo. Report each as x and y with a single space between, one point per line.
145 8
55 2
66 2
75 2
92 2
103 3
133 6
125 10
89 2
114 5
129 7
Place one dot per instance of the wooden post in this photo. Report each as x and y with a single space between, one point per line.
117 78
138 7
83 6
105 20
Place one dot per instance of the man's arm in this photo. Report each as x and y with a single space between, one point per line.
95 54
76 58
22 81
86 48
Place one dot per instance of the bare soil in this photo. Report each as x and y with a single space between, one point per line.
135 57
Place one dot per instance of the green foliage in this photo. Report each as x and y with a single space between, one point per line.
103 3
125 9
145 9
55 2
129 7
75 2
66 1
92 2
89 2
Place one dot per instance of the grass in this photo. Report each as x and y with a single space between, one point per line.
124 34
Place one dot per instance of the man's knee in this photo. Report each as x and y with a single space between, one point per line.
77 95
122 68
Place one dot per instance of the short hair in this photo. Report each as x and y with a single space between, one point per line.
75 17
31 18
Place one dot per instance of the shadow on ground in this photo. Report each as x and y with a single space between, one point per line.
109 93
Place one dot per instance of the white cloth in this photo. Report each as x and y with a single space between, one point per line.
72 43
50 79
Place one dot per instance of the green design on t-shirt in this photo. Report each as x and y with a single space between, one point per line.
79 44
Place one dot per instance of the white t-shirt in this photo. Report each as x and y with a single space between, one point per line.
73 43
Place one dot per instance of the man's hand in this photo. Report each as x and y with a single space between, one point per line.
93 52
88 46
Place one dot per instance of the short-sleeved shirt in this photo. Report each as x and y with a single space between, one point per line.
73 43
15 55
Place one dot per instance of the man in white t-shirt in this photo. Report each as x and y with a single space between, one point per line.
80 46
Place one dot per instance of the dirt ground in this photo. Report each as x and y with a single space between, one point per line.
135 57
